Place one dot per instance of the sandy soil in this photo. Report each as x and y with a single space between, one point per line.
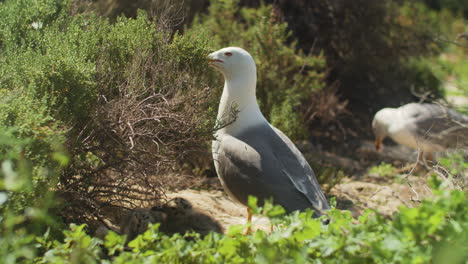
352 195
218 205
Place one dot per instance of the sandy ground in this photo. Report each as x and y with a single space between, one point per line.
453 96
386 198
218 205
353 195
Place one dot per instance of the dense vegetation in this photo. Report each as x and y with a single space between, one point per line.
94 110
111 93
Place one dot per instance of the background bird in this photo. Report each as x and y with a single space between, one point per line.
428 128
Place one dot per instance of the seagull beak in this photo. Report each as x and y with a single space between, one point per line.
211 61
378 144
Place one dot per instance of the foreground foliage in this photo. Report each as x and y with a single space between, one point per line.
436 232
25 198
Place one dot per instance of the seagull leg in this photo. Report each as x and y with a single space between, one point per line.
414 167
420 163
249 222
430 158
420 157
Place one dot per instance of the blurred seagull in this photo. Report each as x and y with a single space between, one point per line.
251 156
137 220
175 216
182 217
428 128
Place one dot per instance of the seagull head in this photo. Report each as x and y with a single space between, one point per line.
232 62
380 125
180 203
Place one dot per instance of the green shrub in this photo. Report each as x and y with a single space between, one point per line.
456 6
287 76
25 197
454 167
23 21
123 98
454 162
366 45
383 170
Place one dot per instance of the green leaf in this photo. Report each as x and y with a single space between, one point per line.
252 203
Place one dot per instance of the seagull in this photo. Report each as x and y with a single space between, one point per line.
428 128
176 216
137 220
251 156
183 217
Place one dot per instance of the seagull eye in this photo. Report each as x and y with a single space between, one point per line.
229 54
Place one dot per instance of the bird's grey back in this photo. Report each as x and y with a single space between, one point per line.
439 125
263 162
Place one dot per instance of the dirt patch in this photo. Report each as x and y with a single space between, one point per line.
386 198
218 205
382 195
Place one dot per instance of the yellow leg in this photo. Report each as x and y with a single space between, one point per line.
430 157
249 222
421 157
414 167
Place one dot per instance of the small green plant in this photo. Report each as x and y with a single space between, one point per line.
77 247
328 176
457 168
383 170
454 163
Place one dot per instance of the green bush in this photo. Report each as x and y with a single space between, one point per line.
25 197
457 6
123 98
23 21
287 76
129 98
366 45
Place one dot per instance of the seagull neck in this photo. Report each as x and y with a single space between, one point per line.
239 95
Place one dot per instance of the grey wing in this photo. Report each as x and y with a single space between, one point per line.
244 171
260 163
439 125
298 169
